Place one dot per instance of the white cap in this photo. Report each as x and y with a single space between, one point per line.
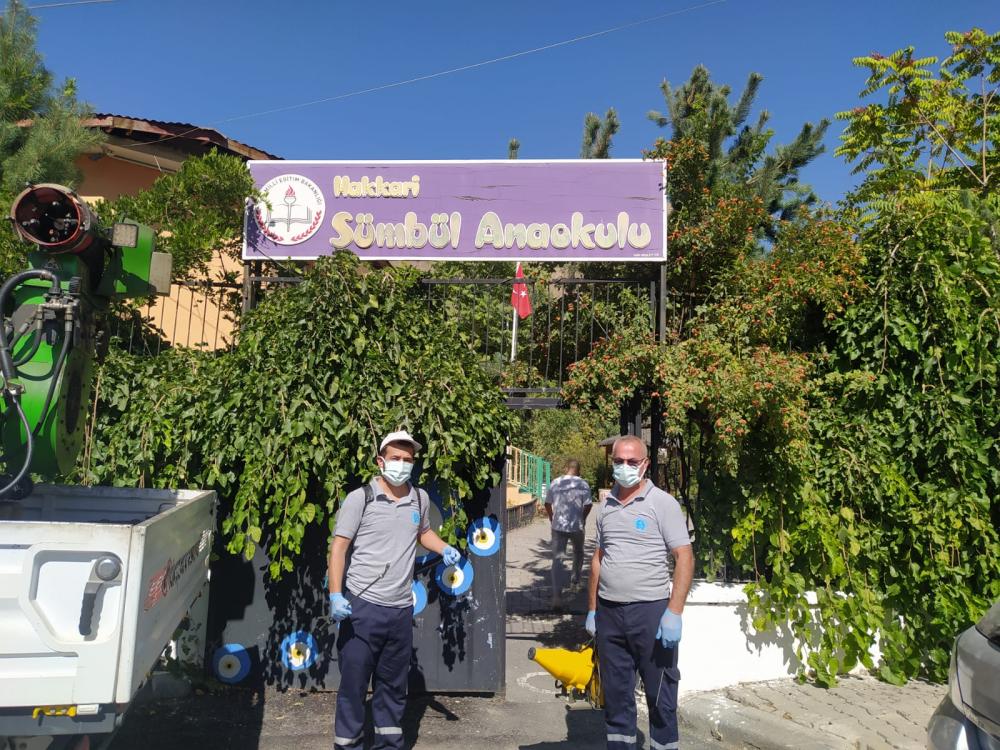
400 436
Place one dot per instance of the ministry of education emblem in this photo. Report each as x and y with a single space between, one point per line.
295 212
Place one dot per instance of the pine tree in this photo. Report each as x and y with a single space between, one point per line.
40 130
597 135
700 110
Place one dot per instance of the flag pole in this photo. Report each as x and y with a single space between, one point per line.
516 313
513 336
521 303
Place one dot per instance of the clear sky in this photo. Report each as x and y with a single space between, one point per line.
214 62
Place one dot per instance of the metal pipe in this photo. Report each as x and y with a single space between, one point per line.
663 303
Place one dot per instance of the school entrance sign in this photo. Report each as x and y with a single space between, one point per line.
573 210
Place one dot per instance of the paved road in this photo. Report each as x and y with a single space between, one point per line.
531 694
532 716
292 721
861 712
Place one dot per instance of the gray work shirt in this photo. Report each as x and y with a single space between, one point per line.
384 532
568 495
637 539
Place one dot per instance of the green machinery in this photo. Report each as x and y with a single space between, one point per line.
48 345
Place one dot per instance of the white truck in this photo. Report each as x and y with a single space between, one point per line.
94 582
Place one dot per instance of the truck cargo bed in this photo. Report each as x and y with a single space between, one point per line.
93 583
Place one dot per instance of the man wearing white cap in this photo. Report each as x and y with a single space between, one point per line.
381 524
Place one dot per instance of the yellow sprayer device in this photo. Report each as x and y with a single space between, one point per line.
576 672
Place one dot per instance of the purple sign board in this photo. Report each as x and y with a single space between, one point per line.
574 210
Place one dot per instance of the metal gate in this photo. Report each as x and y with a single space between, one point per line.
568 317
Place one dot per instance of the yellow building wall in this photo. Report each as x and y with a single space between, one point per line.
194 316
107 178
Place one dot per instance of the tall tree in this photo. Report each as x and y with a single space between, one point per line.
836 410
728 186
597 135
40 131
700 111
930 131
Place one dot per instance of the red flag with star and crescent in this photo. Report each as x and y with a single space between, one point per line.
519 296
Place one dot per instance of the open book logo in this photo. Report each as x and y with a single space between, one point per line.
292 210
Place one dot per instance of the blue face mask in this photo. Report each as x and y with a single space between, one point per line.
397 473
627 476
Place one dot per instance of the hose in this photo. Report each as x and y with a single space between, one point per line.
9 371
25 358
12 335
29 449
418 569
56 372
6 363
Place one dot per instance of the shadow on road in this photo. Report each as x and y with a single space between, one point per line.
584 729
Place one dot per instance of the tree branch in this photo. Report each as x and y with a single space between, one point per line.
955 153
982 147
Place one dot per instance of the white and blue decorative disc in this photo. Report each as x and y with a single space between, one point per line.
484 537
454 579
231 663
419 597
298 651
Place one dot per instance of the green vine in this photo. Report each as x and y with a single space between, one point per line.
286 423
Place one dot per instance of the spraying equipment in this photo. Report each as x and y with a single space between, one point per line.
94 581
576 672
48 344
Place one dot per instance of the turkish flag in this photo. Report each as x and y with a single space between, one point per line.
519 296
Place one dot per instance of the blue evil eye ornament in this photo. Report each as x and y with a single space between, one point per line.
484 537
454 579
231 663
298 651
419 597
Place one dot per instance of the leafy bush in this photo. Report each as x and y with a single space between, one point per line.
866 472
283 425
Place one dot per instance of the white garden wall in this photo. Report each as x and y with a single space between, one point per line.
720 646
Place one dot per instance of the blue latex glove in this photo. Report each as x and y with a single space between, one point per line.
450 555
340 608
669 632
591 624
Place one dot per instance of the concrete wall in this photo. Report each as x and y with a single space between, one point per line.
720 646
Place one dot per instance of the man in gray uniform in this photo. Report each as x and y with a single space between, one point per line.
384 521
635 614
567 504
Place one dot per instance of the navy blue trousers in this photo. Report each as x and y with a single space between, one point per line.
374 647
627 644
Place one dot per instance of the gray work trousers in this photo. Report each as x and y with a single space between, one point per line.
558 548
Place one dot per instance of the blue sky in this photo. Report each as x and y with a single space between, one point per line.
215 61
